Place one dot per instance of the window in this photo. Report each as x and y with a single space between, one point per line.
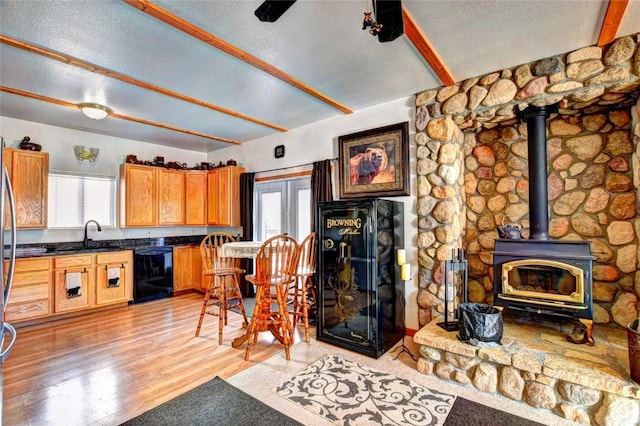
74 199
283 207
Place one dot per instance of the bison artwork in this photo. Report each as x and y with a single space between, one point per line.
370 166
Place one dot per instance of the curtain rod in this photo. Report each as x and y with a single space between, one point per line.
291 167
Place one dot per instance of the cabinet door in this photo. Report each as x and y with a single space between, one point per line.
111 265
31 290
182 268
196 197
224 196
29 179
171 202
111 283
213 203
73 284
138 186
196 268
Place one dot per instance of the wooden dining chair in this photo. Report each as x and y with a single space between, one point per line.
275 272
302 294
223 289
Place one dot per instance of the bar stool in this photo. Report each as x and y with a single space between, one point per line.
302 294
223 290
275 272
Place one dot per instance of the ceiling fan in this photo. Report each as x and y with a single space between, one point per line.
387 24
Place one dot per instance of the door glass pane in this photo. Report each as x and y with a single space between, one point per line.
271 215
303 215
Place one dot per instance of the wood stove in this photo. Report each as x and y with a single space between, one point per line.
545 277
539 275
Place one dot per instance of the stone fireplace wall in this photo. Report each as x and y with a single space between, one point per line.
472 170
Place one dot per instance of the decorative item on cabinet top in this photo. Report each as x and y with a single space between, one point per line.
159 162
27 145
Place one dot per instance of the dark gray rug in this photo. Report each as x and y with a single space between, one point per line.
465 412
348 393
249 303
213 403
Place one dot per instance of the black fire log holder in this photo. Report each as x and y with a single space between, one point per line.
453 269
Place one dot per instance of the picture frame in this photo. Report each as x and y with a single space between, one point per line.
375 162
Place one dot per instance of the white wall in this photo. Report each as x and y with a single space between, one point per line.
319 141
303 145
59 143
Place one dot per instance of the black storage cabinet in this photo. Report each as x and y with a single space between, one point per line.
360 294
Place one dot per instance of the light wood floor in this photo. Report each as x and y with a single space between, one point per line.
105 368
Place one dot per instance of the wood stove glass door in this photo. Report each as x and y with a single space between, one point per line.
348 311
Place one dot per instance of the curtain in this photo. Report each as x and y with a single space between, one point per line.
321 187
247 183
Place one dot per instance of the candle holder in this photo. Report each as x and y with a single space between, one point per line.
455 289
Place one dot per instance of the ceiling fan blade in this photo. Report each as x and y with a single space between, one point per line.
271 10
389 14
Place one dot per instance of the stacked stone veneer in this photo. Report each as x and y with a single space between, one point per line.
472 170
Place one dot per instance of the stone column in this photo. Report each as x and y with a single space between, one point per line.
635 164
441 209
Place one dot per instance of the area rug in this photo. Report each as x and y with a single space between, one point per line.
213 403
348 393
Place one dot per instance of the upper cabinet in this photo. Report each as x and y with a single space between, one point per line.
154 196
195 201
29 173
224 196
138 193
171 201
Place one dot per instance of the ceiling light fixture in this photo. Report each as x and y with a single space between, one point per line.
94 111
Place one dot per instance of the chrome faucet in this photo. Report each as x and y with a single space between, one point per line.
86 240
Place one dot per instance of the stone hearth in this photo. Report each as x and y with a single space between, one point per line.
537 365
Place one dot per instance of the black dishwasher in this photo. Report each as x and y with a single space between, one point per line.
153 273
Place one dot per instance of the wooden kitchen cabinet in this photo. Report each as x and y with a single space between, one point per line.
30 296
40 287
187 268
74 283
171 197
114 277
29 174
223 196
138 195
195 197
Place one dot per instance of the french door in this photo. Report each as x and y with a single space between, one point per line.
283 207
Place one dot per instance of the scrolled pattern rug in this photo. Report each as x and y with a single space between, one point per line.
348 393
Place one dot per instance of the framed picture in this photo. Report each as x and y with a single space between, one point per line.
375 163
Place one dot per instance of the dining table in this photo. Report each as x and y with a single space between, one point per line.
246 249
241 249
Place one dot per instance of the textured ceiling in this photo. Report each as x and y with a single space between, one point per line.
319 43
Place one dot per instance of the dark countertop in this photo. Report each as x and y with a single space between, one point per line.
77 247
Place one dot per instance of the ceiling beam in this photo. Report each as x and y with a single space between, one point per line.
213 41
18 44
116 115
420 41
612 20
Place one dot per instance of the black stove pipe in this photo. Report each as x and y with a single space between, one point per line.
536 118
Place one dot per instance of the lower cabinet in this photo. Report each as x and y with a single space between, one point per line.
46 286
73 283
91 280
30 296
114 277
187 268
